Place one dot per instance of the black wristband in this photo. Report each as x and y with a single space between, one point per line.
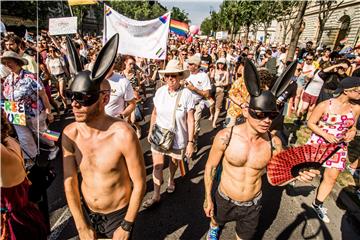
126 226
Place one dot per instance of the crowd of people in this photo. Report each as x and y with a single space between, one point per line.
54 77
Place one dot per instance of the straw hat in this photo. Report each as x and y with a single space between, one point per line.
14 55
174 66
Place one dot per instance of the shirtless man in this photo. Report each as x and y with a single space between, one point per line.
107 152
238 197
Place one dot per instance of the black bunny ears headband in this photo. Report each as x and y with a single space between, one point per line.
86 81
265 101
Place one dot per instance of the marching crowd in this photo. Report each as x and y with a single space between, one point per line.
54 77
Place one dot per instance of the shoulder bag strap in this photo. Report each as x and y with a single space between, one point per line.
174 111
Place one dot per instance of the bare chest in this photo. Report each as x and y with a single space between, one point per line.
255 155
100 154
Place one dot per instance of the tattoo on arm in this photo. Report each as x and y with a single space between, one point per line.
225 139
212 173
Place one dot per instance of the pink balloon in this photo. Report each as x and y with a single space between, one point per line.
194 29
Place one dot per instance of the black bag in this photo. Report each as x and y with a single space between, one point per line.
139 116
40 178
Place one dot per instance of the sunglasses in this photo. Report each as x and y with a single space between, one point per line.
309 59
262 115
171 75
84 98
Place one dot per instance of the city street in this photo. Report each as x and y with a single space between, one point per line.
286 212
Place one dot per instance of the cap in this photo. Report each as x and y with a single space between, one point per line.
347 83
194 60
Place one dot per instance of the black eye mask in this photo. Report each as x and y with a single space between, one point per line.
89 81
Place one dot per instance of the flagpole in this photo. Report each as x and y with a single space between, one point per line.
104 29
71 12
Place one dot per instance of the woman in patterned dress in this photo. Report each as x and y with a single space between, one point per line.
333 121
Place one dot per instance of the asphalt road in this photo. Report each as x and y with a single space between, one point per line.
286 212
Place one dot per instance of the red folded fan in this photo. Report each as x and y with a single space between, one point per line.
287 164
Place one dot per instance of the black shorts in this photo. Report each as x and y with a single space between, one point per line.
104 224
246 217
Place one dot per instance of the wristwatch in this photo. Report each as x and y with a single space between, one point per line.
126 226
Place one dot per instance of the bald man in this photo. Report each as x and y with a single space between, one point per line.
107 152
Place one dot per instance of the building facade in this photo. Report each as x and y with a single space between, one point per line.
342 27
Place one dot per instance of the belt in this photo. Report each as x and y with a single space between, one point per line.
250 203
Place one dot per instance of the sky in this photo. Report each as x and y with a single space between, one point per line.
197 10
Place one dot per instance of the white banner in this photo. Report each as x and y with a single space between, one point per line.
61 26
221 35
146 39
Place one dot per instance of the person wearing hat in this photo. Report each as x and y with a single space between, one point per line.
333 121
199 84
22 87
171 101
174 51
220 78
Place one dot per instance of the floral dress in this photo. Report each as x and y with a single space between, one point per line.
337 125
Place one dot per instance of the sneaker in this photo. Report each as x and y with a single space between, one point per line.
53 153
321 212
213 233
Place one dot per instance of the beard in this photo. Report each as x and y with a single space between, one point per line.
92 113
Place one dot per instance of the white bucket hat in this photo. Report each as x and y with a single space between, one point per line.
221 60
13 55
174 66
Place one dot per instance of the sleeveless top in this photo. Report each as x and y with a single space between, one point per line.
336 125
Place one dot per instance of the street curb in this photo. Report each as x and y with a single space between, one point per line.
338 195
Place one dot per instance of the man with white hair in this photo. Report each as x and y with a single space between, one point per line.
199 84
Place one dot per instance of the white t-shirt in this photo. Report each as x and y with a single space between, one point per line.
201 81
121 92
282 66
55 65
315 85
165 104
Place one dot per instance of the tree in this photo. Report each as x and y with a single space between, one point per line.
180 15
138 10
206 26
326 9
298 23
247 14
289 10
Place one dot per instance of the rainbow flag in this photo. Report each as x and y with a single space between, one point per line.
51 135
184 167
179 28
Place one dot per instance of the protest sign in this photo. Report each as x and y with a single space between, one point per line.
62 26
15 112
221 35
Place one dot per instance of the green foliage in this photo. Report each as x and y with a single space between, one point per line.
179 14
138 10
206 26
235 14
25 9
